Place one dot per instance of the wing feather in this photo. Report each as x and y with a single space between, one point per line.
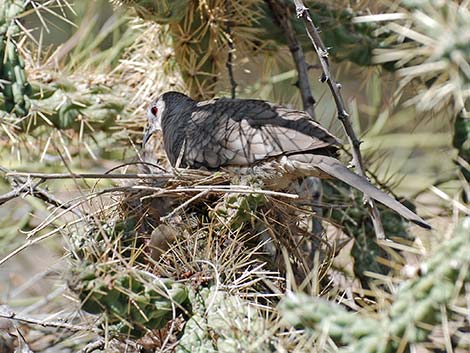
242 132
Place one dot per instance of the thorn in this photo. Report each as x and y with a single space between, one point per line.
339 85
324 53
323 78
300 10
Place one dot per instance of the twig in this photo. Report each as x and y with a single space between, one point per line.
455 203
282 15
54 231
229 189
91 175
231 49
93 346
57 324
280 12
11 195
31 242
185 204
23 186
343 116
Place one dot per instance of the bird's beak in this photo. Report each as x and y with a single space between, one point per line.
147 134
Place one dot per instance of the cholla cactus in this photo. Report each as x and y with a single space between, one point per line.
132 302
164 11
356 223
239 209
14 86
223 323
204 32
417 307
430 47
73 105
200 35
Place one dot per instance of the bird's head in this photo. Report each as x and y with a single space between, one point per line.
168 101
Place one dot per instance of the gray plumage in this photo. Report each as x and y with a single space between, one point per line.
242 132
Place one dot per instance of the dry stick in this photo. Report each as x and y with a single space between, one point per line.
13 194
91 175
322 52
282 16
231 48
166 176
280 12
93 346
27 187
228 189
56 324
39 239
184 205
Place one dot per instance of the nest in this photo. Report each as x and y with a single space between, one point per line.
171 235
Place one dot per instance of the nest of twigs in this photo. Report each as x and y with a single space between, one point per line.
171 237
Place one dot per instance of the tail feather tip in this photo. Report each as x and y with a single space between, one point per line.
422 224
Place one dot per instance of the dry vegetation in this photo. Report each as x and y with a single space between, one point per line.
104 247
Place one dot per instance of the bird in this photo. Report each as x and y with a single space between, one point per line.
226 132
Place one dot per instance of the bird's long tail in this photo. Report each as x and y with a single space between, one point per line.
333 167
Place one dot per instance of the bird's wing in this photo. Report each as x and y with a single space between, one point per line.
242 132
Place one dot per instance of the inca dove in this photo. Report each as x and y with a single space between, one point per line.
242 132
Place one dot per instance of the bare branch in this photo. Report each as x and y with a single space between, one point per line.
282 15
93 346
231 48
343 116
10 315
24 186
45 176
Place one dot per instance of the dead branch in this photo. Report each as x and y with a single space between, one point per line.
281 14
24 186
45 176
10 315
93 346
343 116
231 49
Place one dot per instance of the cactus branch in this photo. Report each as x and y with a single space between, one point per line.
417 306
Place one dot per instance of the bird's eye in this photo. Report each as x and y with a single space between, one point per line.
154 110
